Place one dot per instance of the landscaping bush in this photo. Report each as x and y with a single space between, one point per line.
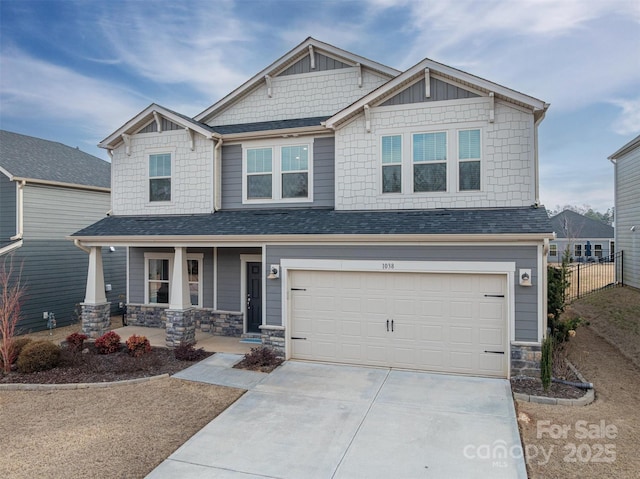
138 345
108 343
16 347
75 342
38 356
261 357
546 362
188 352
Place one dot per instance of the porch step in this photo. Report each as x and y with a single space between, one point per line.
251 338
251 335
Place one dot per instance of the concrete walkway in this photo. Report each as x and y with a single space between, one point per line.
310 420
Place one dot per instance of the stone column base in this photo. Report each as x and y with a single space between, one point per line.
181 326
273 337
525 360
96 319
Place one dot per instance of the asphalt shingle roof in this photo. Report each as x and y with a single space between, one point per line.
29 157
269 125
525 220
574 225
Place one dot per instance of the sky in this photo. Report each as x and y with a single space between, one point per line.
75 71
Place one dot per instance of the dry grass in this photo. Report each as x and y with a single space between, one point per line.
592 277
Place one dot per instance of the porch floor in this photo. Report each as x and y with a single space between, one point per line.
206 341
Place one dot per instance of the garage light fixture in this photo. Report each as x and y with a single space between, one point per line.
274 271
525 277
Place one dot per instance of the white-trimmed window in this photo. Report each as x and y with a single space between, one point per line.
391 164
597 250
158 271
429 162
277 172
469 160
577 250
553 250
160 177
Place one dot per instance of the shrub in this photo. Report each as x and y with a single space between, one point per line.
75 342
138 345
564 329
108 343
546 362
261 357
16 347
38 356
188 352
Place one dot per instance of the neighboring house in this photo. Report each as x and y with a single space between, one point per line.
342 211
626 163
587 240
47 191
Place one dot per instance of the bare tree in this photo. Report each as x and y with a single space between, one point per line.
12 292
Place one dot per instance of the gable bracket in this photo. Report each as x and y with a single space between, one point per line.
492 107
427 83
359 67
191 135
127 143
367 118
267 78
156 116
312 57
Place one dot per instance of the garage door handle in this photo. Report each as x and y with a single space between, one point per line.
387 325
297 338
298 289
392 325
495 352
494 295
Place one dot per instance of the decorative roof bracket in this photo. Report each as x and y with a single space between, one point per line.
427 83
312 57
267 78
367 118
359 67
127 143
156 116
492 107
191 135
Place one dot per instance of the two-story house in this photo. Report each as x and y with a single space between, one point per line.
341 209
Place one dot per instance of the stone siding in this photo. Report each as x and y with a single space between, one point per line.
149 316
507 165
181 326
273 339
525 360
300 96
96 319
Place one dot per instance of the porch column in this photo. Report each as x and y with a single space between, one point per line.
180 320
96 311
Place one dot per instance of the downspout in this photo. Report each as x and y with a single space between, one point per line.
78 244
20 212
545 296
536 167
217 166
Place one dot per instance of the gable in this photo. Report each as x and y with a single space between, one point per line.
440 90
321 63
166 126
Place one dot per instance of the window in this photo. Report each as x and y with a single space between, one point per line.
430 162
553 250
278 173
295 171
578 250
392 164
160 177
259 169
159 267
469 160
597 250
158 280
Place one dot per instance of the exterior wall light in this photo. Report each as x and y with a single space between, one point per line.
525 277
274 271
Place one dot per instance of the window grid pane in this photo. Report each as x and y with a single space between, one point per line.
429 147
259 160
295 185
392 179
392 149
295 158
259 186
160 189
160 165
469 175
469 144
430 177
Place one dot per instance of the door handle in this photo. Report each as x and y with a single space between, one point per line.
387 325
392 325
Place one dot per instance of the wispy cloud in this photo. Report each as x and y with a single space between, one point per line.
628 123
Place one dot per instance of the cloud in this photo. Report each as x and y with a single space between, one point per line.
628 122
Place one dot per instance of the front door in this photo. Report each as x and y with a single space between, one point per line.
254 297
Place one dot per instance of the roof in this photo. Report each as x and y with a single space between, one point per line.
250 223
447 72
30 158
269 125
287 59
633 144
570 224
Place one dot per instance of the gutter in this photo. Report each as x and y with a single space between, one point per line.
536 161
78 244
217 175
20 213
11 247
63 184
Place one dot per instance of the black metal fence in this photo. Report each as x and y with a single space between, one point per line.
587 278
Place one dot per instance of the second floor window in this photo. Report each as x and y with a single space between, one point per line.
553 250
160 177
259 173
392 164
295 171
430 162
469 160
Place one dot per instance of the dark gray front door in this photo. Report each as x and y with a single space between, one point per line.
254 297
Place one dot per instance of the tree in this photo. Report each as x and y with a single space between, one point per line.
12 292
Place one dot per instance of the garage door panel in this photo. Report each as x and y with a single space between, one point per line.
442 322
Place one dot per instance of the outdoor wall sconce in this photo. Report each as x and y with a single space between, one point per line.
112 249
525 277
274 271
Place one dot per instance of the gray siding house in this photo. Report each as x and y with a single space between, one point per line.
47 191
587 240
626 163
339 210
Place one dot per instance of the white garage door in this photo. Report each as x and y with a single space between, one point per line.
430 321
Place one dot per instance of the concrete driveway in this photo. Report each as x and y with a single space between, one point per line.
310 420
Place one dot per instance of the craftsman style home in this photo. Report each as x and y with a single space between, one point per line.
341 211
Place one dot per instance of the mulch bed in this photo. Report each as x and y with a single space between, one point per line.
91 367
533 387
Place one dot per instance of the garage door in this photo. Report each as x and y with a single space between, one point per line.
430 321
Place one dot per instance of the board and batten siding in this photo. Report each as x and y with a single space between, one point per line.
8 221
439 89
323 177
627 178
321 63
526 298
